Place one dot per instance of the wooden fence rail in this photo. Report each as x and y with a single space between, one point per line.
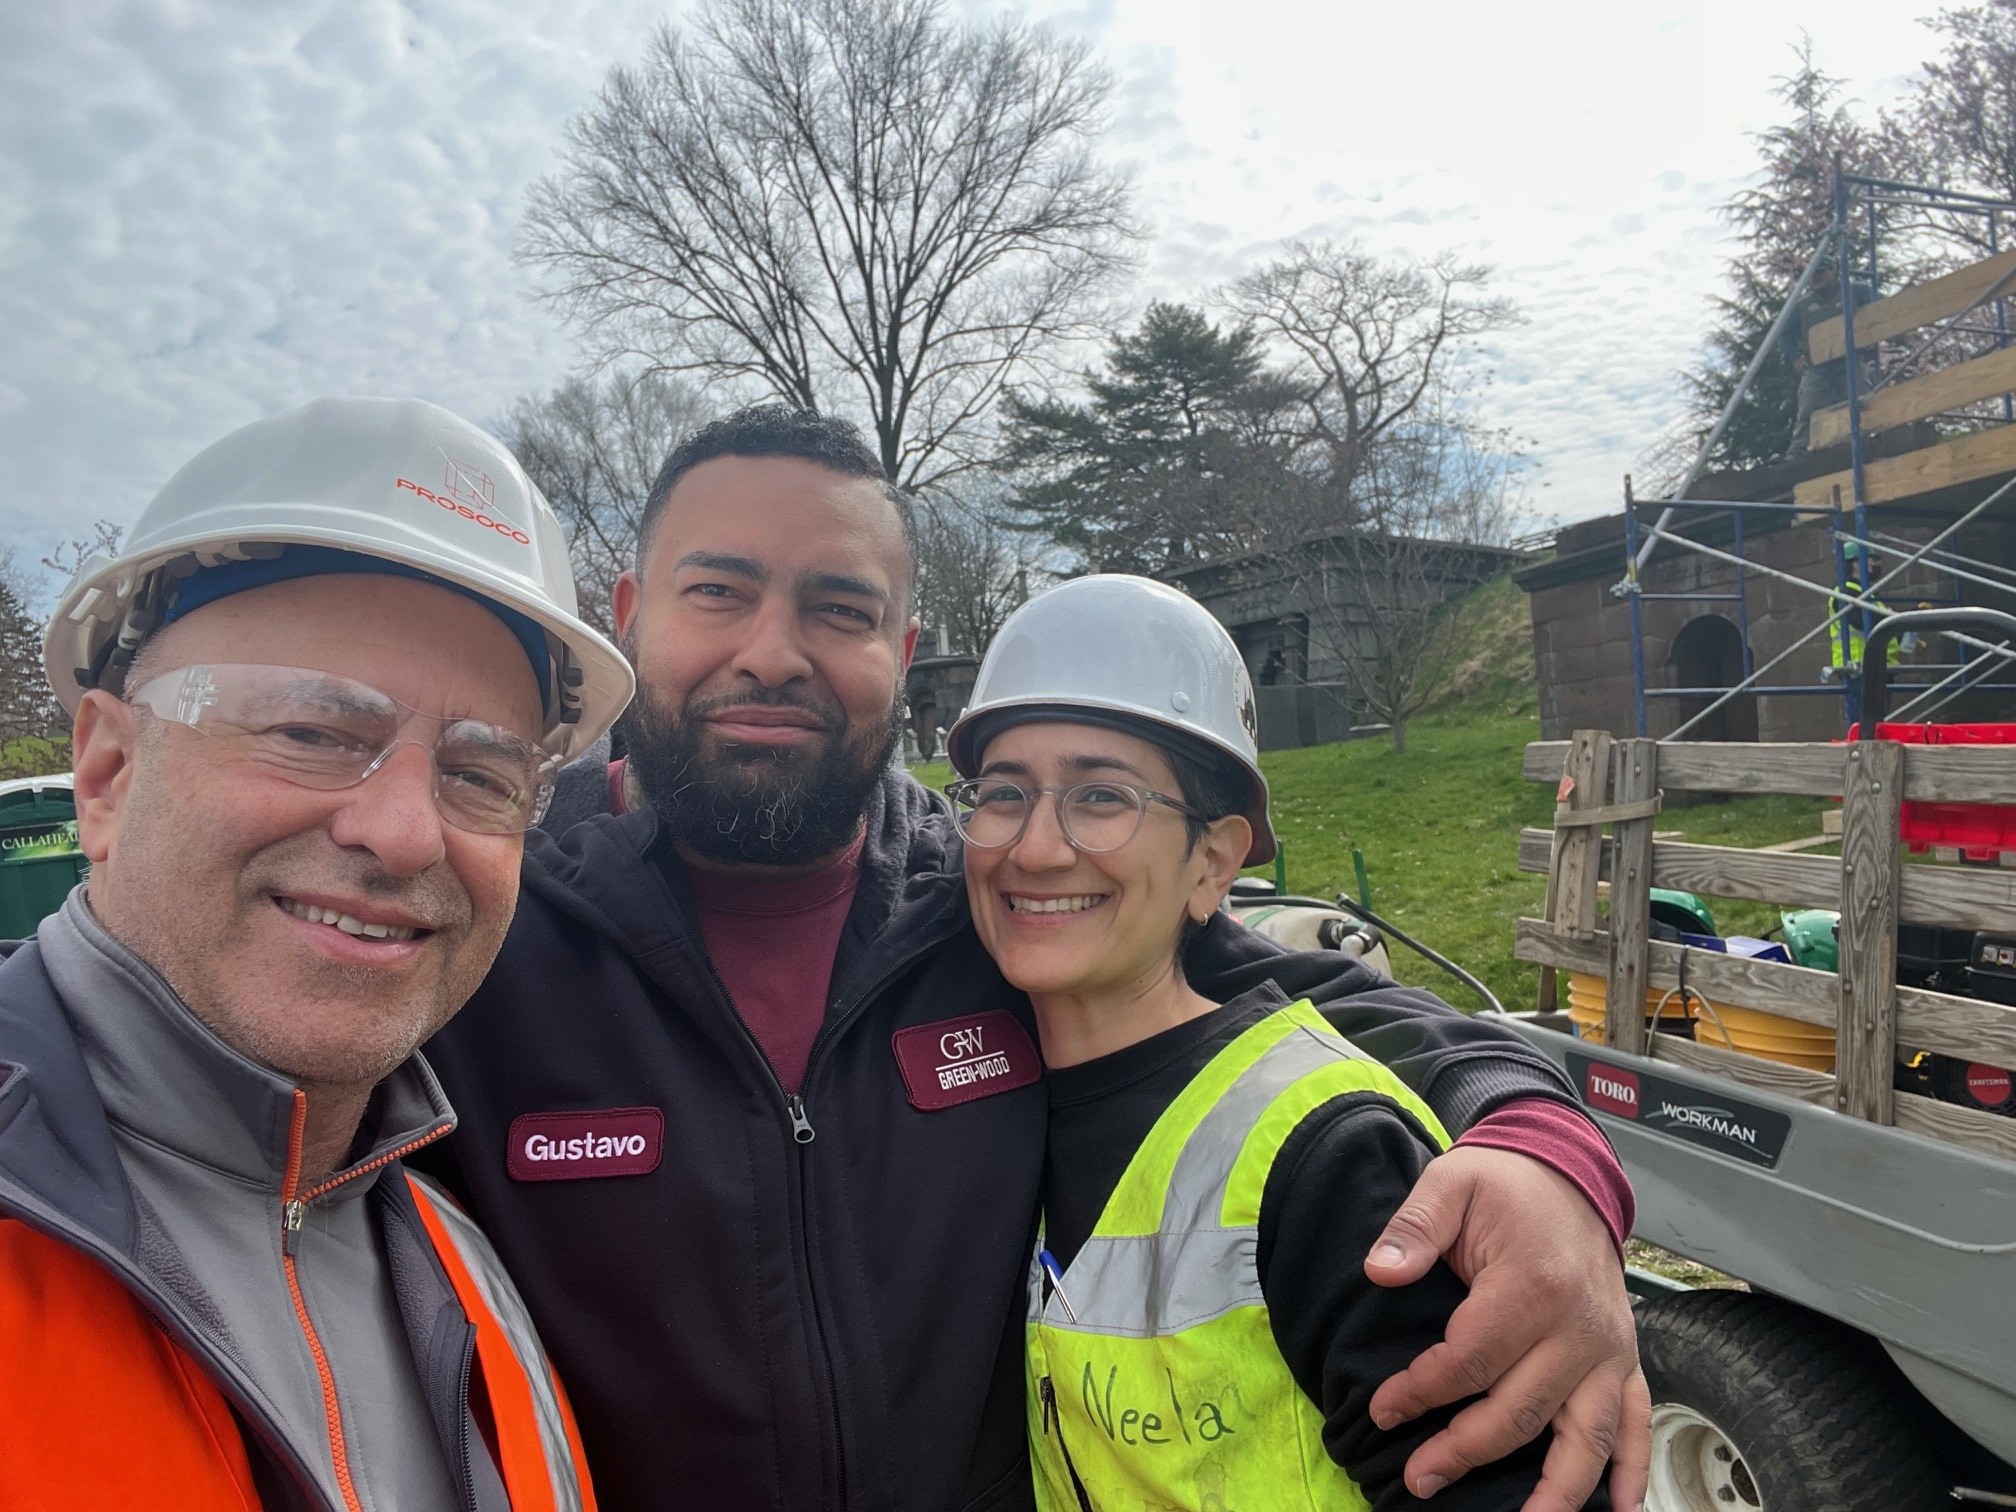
1870 884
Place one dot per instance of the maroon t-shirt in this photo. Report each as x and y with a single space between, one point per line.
773 943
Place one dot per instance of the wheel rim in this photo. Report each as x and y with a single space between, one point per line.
1696 1467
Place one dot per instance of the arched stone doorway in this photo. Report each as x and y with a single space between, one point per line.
1708 653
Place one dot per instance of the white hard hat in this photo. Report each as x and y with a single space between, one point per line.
398 480
1134 650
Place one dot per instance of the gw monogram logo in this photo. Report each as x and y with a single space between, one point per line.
967 1058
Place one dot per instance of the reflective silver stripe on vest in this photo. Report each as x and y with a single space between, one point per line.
505 1305
1193 1270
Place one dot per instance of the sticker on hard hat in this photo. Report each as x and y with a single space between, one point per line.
475 516
1712 1120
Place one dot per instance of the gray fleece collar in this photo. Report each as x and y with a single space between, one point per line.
165 1077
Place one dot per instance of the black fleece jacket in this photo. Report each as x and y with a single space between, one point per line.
813 1303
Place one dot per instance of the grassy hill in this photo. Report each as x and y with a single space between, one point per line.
1439 823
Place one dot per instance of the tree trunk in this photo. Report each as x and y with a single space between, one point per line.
1399 734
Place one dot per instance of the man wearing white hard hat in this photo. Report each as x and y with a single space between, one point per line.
319 697
752 951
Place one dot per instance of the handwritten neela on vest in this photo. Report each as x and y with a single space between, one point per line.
1153 1373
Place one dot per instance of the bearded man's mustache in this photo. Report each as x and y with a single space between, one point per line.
767 805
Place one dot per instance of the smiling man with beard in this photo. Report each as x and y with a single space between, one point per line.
791 1277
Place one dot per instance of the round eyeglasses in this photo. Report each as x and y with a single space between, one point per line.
1096 817
317 730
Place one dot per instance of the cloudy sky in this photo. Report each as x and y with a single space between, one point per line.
213 210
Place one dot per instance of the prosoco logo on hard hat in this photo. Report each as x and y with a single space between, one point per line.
466 490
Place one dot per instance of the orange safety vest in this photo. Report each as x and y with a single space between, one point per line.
157 1430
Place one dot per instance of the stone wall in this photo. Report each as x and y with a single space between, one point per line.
1582 631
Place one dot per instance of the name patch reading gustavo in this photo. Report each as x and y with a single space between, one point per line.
958 1060
594 1142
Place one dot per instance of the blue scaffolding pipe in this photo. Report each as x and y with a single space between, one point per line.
1637 608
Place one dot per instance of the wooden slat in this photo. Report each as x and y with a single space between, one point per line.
1985 454
1866 1048
1953 896
1960 774
1636 777
1906 310
1988 1132
1920 398
1815 1087
1576 849
1932 774
1964 1028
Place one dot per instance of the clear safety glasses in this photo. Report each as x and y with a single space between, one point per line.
1096 817
321 731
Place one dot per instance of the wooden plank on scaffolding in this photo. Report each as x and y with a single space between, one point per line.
1866 1046
1636 768
1815 1087
1932 774
1958 897
1984 454
1965 1028
1907 309
1990 1133
1920 398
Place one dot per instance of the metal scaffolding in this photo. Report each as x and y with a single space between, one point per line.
1855 547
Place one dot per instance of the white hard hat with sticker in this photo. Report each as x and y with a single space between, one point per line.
1129 648
399 480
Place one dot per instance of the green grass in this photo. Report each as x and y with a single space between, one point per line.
1439 823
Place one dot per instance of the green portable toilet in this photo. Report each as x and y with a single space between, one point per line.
39 857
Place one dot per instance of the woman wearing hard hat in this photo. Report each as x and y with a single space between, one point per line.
1201 1332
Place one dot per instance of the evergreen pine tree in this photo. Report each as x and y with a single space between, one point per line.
1157 470
1778 220
27 706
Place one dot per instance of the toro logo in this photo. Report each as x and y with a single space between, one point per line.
597 1142
466 491
1611 1089
957 1060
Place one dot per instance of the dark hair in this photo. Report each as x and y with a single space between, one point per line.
1212 788
775 430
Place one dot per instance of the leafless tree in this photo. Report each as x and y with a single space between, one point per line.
1387 601
63 564
973 570
593 448
1956 125
1371 342
856 205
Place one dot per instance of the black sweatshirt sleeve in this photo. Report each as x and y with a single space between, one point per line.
1462 1067
1338 1179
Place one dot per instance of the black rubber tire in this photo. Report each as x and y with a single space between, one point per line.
1822 1418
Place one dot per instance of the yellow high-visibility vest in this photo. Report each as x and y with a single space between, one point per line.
1154 1379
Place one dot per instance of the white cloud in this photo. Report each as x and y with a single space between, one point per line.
216 209
219 211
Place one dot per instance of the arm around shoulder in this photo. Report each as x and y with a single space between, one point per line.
1338 1179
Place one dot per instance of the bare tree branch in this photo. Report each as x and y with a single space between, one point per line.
593 448
853 204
